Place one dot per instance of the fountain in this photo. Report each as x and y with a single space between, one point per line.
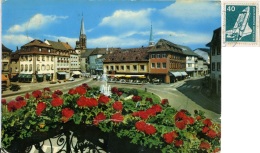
104 88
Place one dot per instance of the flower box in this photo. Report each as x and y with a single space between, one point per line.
142 122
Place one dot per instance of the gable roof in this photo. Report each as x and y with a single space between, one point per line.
57 45
5 49
129 55
187 51
37 43
165 45
67 45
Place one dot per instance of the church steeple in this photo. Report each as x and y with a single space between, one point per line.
82 29
81 44
151 41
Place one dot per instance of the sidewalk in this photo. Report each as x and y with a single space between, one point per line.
28 87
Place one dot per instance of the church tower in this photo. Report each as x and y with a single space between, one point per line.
81 44
151 41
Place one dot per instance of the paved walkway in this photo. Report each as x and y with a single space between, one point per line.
28 87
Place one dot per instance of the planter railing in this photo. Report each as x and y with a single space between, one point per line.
71 138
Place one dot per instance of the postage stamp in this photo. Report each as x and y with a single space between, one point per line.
240 24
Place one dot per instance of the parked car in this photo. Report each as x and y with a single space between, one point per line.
14 78
71 79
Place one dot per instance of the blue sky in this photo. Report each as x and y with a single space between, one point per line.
124 24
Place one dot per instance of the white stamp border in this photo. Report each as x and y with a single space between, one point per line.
240 43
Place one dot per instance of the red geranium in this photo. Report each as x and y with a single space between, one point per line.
114 90
169 137
178 143
54 95
27 96
164 102
205 129
118 106
46 89
81 90
87 102
18 98
117 118
119 93
140 125
3 101
149 99
136 98
11 106
58 92
149 129
207 122
99 118
211 134
56 102
37 94
67 113
40 107
103 99
204 145
180 124
72 91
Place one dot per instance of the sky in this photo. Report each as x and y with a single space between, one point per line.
124 24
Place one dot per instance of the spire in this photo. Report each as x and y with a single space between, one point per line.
151 42
82 29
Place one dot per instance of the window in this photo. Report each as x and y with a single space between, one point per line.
22 67
48 67
112 67
158 56
218 66
213 66
26 67
189 57
122 67
38 67
43 58
51 58
142 67
135 67
52 67
219 51
164 56
153 56
117 68
164 65
30 67
107 68
128 67
38 58
158 65
189 65
213 50
153 65
43 67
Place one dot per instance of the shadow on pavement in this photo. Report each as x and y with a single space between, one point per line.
201 96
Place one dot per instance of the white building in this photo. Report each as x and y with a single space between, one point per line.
215 50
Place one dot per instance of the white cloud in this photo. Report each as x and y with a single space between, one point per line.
187 38
128 18
70 41
16 39
115 41
34 23
193 9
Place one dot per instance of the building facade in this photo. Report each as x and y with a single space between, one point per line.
215 56
6 63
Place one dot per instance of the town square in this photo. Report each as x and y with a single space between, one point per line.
111 76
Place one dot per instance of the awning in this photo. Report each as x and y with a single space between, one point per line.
21 75
176 74
135 76
62 73
76 72
27 76
183 73
4 78
48 74
40 75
